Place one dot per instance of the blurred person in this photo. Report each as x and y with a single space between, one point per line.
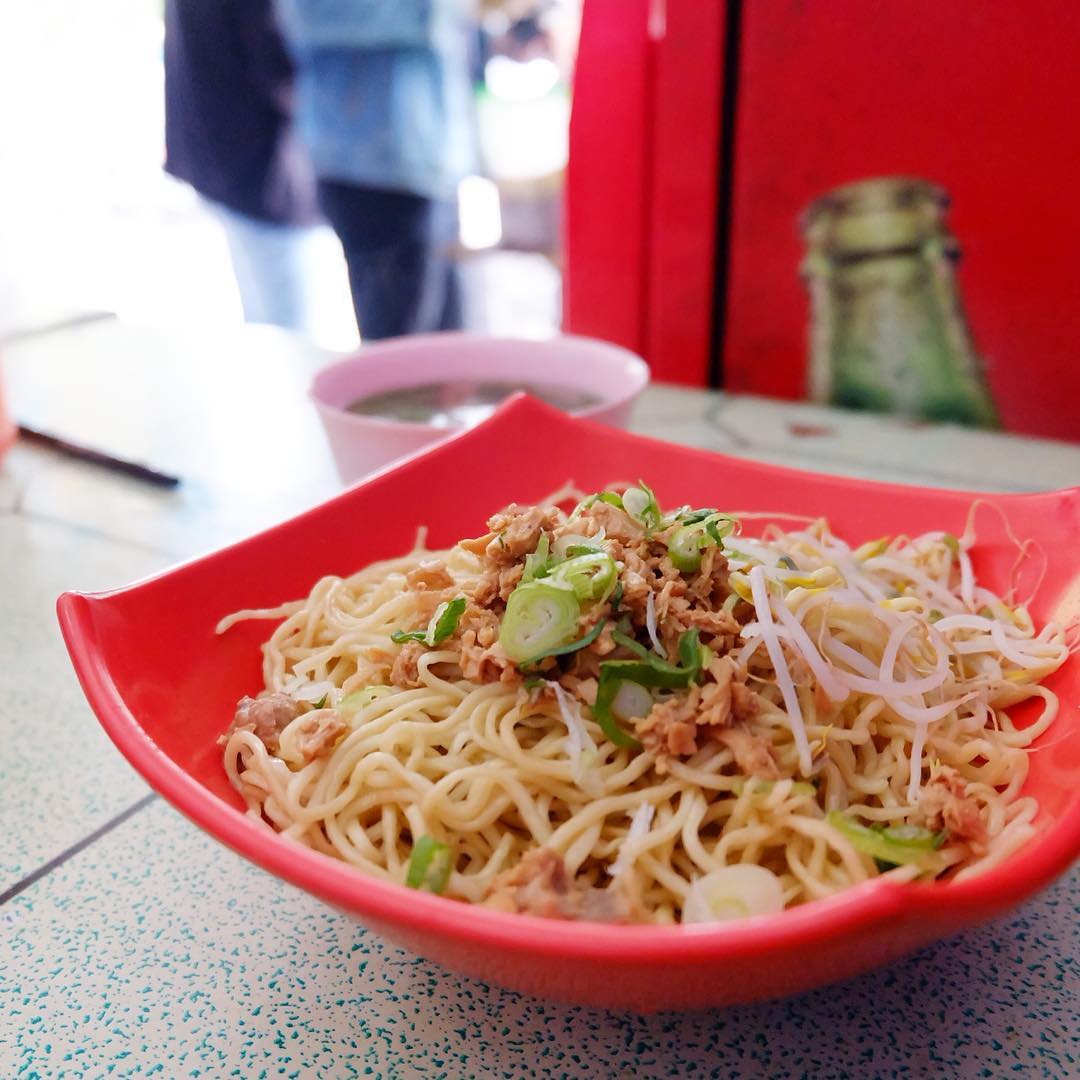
384 106
527 29
229 134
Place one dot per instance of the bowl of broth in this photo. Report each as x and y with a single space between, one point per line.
392 398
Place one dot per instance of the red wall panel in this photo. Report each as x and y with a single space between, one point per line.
605 243
981 98
682 191
642 180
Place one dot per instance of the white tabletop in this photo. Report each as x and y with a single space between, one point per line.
132 943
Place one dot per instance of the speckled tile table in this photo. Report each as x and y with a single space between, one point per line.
175 953
131 944
45 741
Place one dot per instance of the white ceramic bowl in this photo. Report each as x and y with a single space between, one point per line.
363 443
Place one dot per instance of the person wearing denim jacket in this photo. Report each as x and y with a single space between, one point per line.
383 106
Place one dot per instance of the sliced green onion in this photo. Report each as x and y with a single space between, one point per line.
442 624
591 576
536 564
690 652
445 620
733 892
685 543
631 701
616 597
692 517
897 845
539 617
607 688
429 865
360 699
914 834
720 527
620 637
601 496
573 550
571 544
684 548
569 647
650 672
640 503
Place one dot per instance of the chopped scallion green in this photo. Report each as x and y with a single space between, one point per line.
591 576
569 647
601 496
583 549
692 517
640 503
429 865
536 564
442 624
649 671
686 543
627 642
896 844
539 618
360 699
616 597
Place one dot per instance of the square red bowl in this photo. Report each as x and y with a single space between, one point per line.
164 686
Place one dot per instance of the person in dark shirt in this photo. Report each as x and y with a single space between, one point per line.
229 134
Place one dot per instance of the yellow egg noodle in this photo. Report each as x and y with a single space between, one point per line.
623 714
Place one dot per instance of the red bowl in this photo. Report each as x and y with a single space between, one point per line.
164 686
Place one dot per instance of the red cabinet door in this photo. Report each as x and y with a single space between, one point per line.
642 180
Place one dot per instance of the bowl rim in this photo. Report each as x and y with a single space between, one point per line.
951 903
636 366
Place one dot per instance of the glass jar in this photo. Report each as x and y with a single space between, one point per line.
888 331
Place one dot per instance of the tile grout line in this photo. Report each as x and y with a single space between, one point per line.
96 533
79 845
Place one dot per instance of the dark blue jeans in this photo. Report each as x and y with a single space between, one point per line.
398 248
